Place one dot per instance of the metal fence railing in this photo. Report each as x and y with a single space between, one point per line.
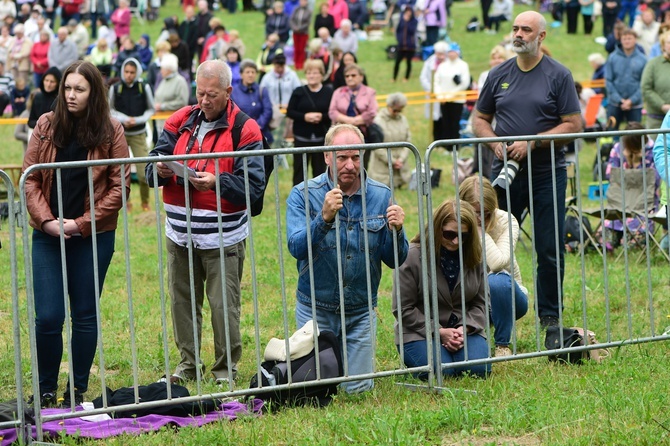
135 345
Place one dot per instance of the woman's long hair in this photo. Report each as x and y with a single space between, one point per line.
471 246
95 127
469 191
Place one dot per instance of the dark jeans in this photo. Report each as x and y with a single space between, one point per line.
495 22
50 306
608 23
66 18
547 233
416 355
486 7
588 24
432 33
628 7
316 159
400 55
632 115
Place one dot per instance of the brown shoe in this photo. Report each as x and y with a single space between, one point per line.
502 351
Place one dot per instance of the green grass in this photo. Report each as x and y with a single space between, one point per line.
524 402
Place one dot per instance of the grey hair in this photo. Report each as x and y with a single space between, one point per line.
170 62
396 100
248 63
213 69
339 128
441 47
346 22
596 58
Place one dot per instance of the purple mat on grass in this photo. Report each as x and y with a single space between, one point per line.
133 426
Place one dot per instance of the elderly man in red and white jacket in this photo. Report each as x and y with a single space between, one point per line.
201 129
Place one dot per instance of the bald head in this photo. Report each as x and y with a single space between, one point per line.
533 17
528 31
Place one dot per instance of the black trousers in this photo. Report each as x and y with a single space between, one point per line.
316 159
399 56
486 7
451 119
588 24
573 17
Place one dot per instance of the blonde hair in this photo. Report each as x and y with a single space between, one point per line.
315 64
499 51
447 212
469 190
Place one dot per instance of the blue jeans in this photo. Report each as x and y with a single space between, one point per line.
632 115
630 8
416 355
548 289
50 305
359 329
500 289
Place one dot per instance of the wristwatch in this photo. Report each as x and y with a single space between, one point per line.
537 144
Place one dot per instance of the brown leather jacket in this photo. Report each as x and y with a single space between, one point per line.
107 184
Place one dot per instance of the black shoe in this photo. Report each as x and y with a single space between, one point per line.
67 400
47 399
548 321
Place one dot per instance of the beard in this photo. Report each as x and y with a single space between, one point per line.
521 47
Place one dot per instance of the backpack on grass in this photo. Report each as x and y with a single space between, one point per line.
303 370
571 231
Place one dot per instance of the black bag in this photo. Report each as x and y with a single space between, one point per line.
302 370
268 161
571 230
156 392
571 338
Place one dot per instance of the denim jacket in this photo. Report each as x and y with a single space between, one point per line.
352 244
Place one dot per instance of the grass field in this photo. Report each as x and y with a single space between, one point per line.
622 401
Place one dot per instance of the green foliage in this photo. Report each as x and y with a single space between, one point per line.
524 402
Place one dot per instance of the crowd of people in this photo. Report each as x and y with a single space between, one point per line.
249 100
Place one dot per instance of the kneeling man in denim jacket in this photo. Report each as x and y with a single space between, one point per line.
333 280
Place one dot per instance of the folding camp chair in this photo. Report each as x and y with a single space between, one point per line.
631 194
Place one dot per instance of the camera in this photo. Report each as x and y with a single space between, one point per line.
457 79
506 175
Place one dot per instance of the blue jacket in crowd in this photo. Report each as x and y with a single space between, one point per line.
259 108
623 75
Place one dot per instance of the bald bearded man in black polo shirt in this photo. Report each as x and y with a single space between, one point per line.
533 94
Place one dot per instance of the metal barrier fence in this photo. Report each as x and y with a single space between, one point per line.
135 342
641 288
13 336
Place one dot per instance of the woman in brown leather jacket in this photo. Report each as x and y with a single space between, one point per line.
80 129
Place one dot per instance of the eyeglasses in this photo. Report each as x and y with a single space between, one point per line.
451 235
397 110
350 75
